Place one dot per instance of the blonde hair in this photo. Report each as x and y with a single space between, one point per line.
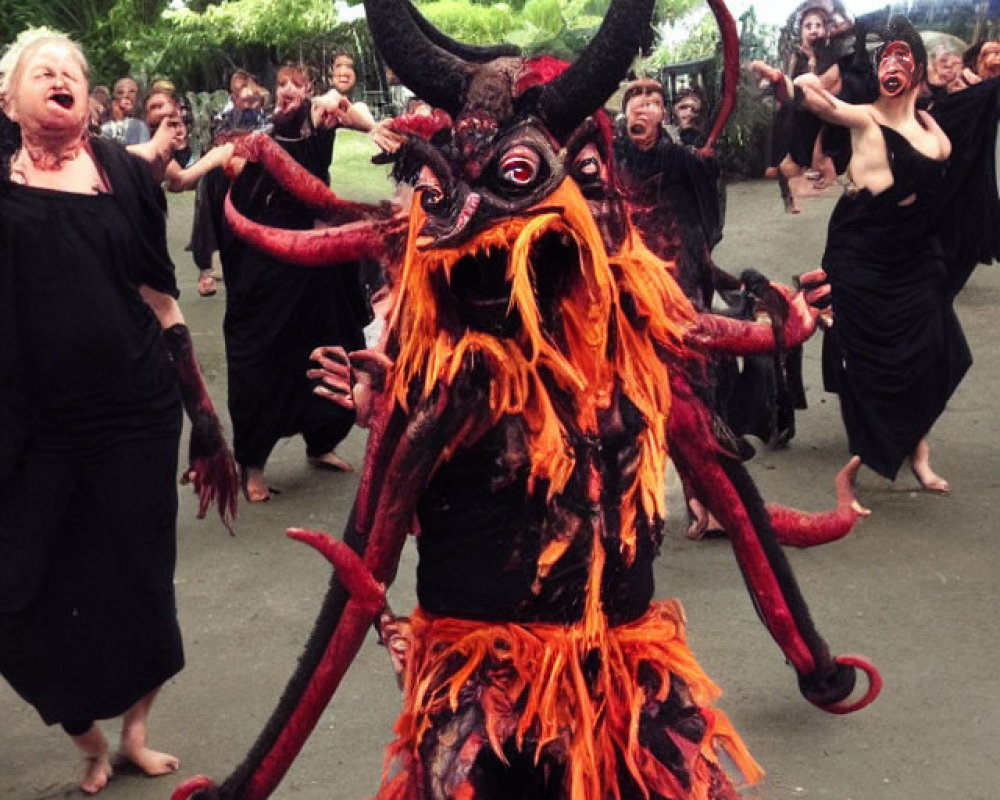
27 44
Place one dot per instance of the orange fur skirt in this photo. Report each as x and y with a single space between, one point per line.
582 712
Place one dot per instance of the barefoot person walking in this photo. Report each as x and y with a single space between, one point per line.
92 349
896 351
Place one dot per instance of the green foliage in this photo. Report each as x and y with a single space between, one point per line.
92 23
742 148
471 22
200 43
701 41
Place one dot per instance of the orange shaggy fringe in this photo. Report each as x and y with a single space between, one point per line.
605 350
543 693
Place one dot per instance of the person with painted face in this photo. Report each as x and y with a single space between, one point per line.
896 351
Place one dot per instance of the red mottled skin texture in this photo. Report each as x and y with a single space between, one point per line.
724 335
799 529
321 247
212 470
300 183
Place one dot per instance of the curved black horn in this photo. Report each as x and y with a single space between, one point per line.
579 91
430 72
467 52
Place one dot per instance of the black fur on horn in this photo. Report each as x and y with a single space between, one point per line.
432 73
565 102
467 52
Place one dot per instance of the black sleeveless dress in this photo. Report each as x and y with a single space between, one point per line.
896 351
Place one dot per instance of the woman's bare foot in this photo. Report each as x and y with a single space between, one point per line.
97 772
97 769
929 480
703 522
254 487
331 461
152 762
133 742
920 466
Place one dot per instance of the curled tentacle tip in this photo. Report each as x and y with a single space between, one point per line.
848 706
351 569
200 787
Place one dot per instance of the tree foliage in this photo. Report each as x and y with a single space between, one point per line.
200 42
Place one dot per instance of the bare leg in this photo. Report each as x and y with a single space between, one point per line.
133 743
206 283
703 521
96 760
787 170
920 464
254 487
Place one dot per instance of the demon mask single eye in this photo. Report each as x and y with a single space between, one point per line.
896 69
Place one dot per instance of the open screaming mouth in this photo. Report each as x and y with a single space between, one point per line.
63 99
892 84
483 283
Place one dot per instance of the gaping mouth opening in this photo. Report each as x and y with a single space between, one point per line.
483 288
892 83
63 99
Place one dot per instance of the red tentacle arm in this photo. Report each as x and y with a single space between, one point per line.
730 71
724 486
874 686
211 470
300 182
320 247
433 426
803 529
367 592
726 336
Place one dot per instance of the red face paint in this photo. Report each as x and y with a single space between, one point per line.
896 69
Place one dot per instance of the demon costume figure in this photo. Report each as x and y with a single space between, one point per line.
921 212
520 427
95 365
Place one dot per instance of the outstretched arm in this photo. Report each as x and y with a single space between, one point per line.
211 470
817 97
182 179
723 484
727 336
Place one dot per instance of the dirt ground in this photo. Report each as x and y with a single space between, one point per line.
915 587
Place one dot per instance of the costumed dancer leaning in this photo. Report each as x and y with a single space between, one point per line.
92 349
901 242
276 314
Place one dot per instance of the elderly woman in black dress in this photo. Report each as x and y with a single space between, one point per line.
95 364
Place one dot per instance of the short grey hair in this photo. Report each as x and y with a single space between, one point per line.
29 42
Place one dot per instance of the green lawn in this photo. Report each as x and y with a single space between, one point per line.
352 173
